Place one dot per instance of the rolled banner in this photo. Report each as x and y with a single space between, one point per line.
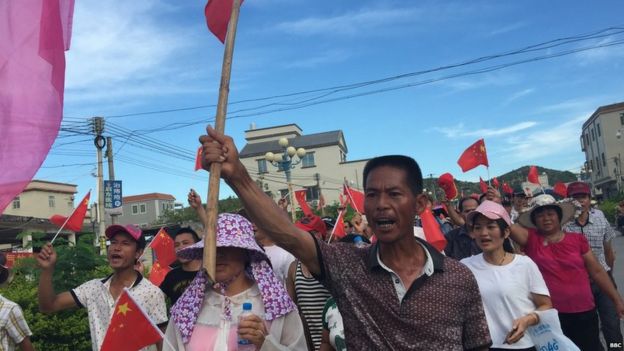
447 183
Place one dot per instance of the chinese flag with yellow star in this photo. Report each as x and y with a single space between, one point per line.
75 220
164 247
130 329
473 156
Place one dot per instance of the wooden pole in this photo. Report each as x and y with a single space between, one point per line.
212 204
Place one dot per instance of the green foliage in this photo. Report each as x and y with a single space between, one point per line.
609 207
67 330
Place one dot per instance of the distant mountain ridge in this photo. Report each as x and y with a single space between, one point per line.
513 178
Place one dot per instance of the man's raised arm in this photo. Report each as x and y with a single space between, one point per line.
262 210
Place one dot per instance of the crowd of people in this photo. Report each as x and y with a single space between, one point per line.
380 287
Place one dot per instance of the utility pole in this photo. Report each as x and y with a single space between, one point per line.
317 177
111 167
100 142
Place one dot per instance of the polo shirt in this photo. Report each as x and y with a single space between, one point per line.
441 311
95 296
597 230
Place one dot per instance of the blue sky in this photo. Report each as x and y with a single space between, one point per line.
139 56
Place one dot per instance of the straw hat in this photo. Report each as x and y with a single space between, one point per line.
566 207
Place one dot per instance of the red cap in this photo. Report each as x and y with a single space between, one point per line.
131 229
578 188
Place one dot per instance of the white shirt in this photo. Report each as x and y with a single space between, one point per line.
506 294
95 296
280 260
284 333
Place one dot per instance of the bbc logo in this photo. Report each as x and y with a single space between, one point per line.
616 346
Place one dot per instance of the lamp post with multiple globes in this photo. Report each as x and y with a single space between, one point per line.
287 160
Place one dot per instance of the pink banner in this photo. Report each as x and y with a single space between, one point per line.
34 35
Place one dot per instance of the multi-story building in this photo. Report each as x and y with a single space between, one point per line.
603 144
30 211
144 209
323 169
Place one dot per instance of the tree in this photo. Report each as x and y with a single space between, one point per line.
67 330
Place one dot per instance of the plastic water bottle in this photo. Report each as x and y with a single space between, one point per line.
244 344
359 242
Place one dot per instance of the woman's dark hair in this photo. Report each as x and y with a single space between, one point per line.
543 208
502 225
413 176
187 230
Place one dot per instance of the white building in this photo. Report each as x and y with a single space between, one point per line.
323 169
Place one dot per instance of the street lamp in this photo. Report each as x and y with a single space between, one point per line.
285 162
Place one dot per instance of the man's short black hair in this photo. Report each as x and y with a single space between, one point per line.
405 163
460 204
187 230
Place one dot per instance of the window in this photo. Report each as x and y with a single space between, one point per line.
262 166
308 160
598 128
135 209
16 203
591 165
51 201
622 118
593 135
142 208
343 157
312 193
598 166
604 161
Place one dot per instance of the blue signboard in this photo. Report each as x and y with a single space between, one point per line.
112 196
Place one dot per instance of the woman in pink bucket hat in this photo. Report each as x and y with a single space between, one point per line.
206 317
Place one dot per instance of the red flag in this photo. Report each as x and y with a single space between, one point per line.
130 328
433 234
355 198
495 183
300 196
447 183
339 231
218 14
561 189
533 177
483 185
164 248
198 158
75 220
473 156
507 189
158 273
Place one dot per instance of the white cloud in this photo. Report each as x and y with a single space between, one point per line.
122 44
517 96
558 138
349 23
332 56
610 52
508 28
461 131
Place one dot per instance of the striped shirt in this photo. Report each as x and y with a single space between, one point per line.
311 298
13 326
597 230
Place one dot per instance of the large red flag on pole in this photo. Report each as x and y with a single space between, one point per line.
130 328
158 273
75 220
218 13
300 195
34 35
473 156
431 228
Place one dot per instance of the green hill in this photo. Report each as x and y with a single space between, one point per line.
513 178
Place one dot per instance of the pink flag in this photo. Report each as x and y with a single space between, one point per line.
33 38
